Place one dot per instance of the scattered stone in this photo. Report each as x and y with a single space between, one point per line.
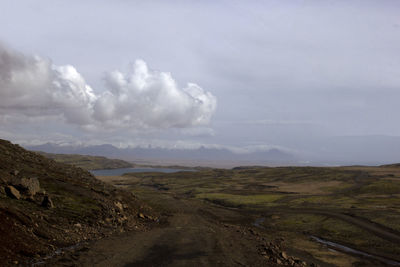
141 215
284 255
47 203
149 217
122 219
15 172
78 225
12 192
119 206
300 262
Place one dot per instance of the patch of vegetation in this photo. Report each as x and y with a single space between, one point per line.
308 200
338 188
326 201
382 187
240 199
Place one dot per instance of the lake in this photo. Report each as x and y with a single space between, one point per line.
117 172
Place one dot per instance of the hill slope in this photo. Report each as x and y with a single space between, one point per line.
88 162
82 207
394 165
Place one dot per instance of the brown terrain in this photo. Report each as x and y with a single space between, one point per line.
55 214
47 206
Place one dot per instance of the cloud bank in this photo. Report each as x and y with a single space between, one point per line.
34 87
31 86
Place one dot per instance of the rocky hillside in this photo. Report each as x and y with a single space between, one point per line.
45 205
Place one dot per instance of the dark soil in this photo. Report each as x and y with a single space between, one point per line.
190 236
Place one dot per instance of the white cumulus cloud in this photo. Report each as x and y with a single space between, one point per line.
148 98
31 86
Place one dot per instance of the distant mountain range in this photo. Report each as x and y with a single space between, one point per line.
158 155
323 151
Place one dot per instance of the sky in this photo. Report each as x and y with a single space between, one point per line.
240 74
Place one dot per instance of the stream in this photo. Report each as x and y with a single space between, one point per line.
335 246
353 251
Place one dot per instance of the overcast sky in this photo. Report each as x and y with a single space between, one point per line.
230 73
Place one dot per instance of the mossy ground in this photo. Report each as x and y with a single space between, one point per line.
293 199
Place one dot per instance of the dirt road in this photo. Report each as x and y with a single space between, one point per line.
191 237
187 241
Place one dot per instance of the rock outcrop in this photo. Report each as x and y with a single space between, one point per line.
28 186
47 202
12 192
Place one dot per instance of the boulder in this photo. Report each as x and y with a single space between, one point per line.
12 192
47 203
29 186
